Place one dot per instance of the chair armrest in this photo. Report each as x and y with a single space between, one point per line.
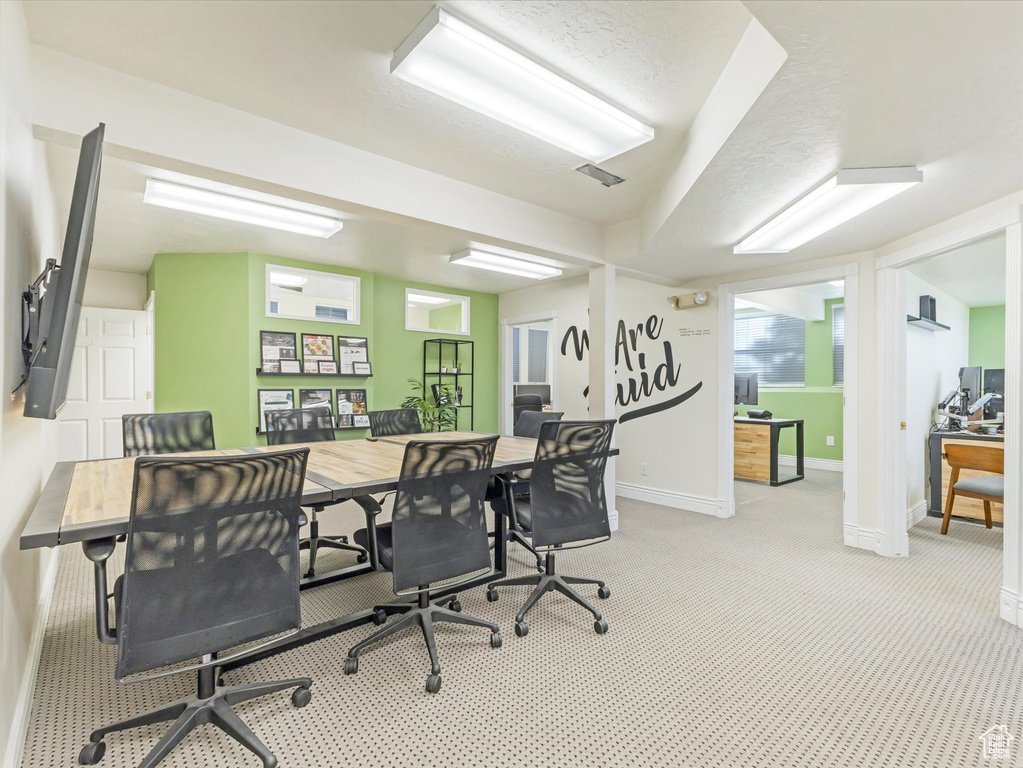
99 551
508 482
372 508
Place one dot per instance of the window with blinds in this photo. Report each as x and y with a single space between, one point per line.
772 346
537 356
838 342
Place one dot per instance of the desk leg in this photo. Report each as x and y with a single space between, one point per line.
775 435
99 551
799 449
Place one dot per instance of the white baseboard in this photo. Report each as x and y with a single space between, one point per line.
828 465
862 538
701 504
1010 607
23 705
916 513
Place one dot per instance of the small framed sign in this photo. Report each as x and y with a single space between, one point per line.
316 347
276 346
362 369
360 421
328 366
351 350
291 366
310 366
273 400
271 366
351 404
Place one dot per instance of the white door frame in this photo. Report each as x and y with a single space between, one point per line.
507 387
891 388
850 388
151 343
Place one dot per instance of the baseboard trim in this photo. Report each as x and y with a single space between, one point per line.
700 504
828 465
1010 607
862 538
23 705
916 513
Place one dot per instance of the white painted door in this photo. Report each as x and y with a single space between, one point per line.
109 377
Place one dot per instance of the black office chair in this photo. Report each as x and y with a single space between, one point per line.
148 434
438 531
309 425
211 564
516 487
567 505
524 403
400 421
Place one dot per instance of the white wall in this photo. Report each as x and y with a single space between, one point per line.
114 290
28 235
933 359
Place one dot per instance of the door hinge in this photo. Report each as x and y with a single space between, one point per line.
902 426
148 330
149 394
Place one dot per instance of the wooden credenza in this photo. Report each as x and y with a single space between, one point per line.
940 474
756 449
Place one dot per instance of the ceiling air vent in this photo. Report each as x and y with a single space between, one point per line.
605 178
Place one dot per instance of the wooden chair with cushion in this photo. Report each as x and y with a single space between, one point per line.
987 488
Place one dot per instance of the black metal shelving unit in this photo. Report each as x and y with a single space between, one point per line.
446 354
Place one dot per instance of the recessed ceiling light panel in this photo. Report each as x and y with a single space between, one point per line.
509 265
844 196
455 60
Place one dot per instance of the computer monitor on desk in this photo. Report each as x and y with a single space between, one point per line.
543 390
746 389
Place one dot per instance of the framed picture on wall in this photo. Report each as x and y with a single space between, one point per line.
362 369
315 398
273 400
271 366
275 346
310 366
351 404
317 347
328 366
361 421
351 350
291 366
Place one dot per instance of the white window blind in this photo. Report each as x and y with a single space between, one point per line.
772 346
537 356
334 313
838 342
516 346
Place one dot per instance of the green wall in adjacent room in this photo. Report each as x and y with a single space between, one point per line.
819 403
987 337
210 308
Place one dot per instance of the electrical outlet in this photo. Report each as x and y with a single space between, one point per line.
642 469
831 440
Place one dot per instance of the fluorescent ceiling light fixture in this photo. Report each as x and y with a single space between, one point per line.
286 280
837 283
241 206
449 57
422 298
497 263
844 196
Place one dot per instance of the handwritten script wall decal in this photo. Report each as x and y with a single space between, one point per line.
644 382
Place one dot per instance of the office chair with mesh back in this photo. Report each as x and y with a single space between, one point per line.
148 434
309 425
525 403
211 564
399 421
517 485
438 532
567 505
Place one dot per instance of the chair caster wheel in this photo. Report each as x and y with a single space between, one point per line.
603 593
491 595
351 665
521 628
600 626
455 606
92 753
495 639
433 683
541 566
301 697
379 617
362 558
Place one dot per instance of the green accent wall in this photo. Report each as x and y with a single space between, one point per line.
819 403
210 308
987 337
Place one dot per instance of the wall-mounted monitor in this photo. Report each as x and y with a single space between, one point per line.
746 391
53 302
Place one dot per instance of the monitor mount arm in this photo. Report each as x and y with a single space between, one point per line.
31 318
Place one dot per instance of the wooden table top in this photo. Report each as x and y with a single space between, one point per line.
92 499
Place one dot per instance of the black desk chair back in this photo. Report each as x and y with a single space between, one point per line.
438 533
211 563
567 506
399 421
148 434
299 425
309 425
529 422
523 403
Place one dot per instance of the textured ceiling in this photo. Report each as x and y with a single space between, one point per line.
973 274
933 84
324 67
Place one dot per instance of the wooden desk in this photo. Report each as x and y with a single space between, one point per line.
756 449
940 474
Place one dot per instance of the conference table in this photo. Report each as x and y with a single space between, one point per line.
89 502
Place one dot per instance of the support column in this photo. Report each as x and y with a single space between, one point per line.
1011 600
603 321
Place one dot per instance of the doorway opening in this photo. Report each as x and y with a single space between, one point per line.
528 376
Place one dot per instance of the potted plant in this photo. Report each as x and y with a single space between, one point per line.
435 417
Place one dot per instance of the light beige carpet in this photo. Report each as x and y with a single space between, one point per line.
755 641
